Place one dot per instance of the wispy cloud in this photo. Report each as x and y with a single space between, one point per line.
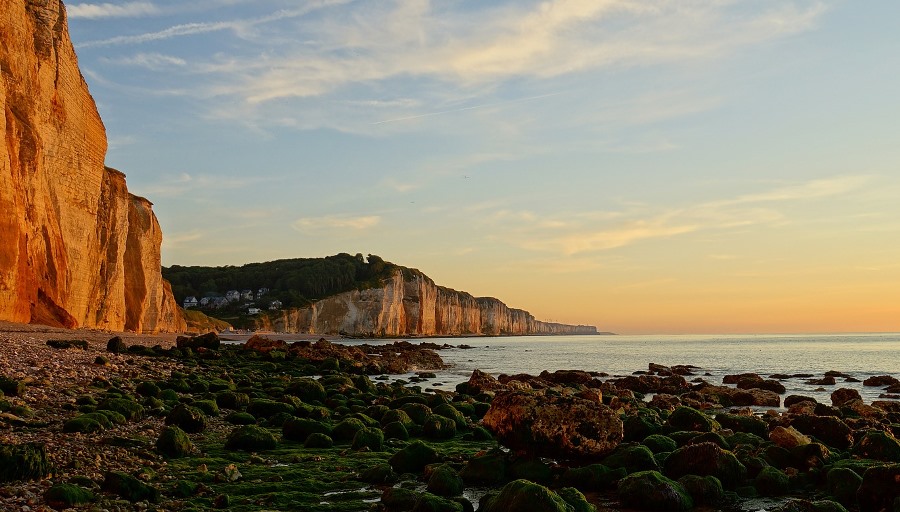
152 61
241 27
598 231
110 10
419 62
336 222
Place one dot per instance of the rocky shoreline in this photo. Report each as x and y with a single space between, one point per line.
93 421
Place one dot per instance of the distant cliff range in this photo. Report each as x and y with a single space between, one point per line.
409 303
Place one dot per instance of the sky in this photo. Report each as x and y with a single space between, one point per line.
644 166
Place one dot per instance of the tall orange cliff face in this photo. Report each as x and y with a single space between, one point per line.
76 249
413 304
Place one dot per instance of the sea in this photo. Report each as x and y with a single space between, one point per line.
857 355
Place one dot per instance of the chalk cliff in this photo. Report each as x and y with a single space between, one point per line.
410 303
76 249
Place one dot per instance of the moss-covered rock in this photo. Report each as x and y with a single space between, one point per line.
878 446
347 429
174 442
743 423
657 443
879 489
449 411
232 400
575 499
644 422
396 430
436 426
690 419
208 407
379 474
132 410
190 419
413 458
298 429
771 482
399 499
427 502
240 418
417 412
704 490
368 438
85 424
264 408
489 468
706 459
129 487
23 462
445 481
843 484
250 438
525 496
633 458
11 387
318 440
67 495
147 389
650 490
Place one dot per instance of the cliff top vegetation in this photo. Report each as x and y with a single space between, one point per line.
295 282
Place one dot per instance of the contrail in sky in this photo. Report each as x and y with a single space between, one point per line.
463 109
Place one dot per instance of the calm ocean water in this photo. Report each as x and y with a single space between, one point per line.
859 355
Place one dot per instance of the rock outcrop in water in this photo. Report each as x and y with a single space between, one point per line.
412 304
78 250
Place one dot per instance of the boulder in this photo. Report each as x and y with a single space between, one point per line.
878 446
23 462
444 481
881 381
413 458
828 429
538 423
771 482
841 396
264 345
62 496
174 442
706 459
880 489
788 437
632 458
843 484
250 438
690 419
525 496
209 341
129 487
481 382
649 490
704 490
116 345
